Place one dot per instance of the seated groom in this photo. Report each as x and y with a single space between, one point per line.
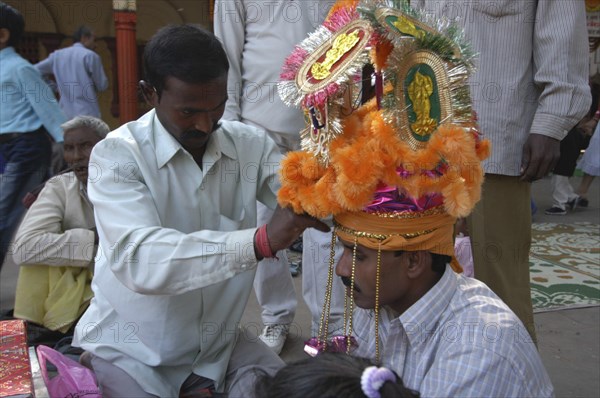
404 167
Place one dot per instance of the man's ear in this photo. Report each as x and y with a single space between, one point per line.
418 262
149 93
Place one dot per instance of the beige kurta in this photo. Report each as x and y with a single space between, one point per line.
55 248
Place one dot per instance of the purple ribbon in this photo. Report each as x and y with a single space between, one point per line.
373 378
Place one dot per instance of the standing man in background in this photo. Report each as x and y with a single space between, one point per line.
527 98
28 113
79 74
258 36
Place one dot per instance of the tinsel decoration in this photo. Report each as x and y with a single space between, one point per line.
322 72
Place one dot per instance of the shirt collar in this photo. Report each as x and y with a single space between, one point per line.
78 44
167 146
421 320
83 194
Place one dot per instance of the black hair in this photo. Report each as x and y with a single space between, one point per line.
438 261
11 19
82 31
327 375
187 52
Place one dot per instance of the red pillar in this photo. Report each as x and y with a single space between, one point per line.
127 68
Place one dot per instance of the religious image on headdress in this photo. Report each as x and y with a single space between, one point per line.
322 73
419 133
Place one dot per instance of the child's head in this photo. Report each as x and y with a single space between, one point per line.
12 25
332 375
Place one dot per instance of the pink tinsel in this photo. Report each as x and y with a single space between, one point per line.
320 97
340 18
292 63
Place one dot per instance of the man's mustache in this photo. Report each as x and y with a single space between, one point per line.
199 133
348 283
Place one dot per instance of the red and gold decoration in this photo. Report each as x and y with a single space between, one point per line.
322 72
15 368
592 5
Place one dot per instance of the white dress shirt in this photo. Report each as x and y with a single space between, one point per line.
458 340
176 258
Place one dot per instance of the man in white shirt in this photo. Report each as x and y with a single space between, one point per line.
258 36
174 195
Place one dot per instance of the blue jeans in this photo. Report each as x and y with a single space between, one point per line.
26 160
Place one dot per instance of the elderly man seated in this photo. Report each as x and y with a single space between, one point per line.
56 242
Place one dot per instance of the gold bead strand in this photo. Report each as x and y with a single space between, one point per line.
326 312
377 279
348 336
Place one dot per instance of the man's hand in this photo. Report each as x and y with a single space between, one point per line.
286 226
587 126
540 154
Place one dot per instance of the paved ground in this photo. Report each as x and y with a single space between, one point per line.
569 340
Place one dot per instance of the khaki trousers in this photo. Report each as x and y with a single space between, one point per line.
500 229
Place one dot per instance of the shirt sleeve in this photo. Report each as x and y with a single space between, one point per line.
45 66
269 182
565 93
42 100
41 238
144 255
229 25
96 71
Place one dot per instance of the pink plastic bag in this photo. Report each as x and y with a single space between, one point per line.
73 380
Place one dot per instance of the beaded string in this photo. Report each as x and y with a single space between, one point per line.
377 279
330 278
326 311
348 300
346 304
350 314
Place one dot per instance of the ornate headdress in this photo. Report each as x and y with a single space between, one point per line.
396 171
